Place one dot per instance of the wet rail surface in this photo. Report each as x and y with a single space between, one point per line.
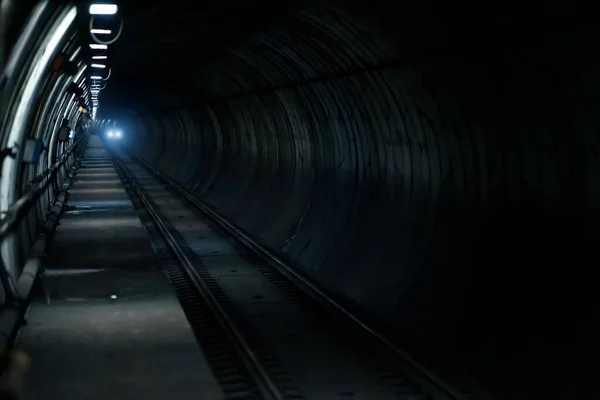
263 336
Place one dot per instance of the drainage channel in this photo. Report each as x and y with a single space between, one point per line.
301 348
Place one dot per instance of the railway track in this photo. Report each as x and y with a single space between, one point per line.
266 332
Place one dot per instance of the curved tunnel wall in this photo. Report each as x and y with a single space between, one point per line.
34 98
453 196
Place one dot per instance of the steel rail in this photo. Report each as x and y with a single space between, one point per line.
305 284
265 383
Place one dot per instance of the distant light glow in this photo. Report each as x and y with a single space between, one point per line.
99 57
101 31
98 66
113 296
98 46
114 134
95 77
103 9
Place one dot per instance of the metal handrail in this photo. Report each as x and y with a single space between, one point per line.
16 212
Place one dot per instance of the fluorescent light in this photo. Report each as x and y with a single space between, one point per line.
75 53
98 66
98 46
95 77
103 9
99 57
101 31
118 134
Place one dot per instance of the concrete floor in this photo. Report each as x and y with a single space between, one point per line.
111 326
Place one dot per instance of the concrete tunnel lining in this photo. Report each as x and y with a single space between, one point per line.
26 75
428 180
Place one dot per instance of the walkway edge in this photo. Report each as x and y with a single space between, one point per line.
12 316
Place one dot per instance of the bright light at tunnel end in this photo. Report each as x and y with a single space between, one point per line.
114 134
103 9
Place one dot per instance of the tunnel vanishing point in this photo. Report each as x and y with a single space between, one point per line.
434 168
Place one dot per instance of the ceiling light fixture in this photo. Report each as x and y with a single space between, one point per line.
103 9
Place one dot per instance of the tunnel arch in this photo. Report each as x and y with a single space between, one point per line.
428 170
34 101
46 42
415 170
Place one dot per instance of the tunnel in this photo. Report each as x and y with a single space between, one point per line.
434 168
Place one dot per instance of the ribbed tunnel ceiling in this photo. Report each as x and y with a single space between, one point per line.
165 46
428 165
